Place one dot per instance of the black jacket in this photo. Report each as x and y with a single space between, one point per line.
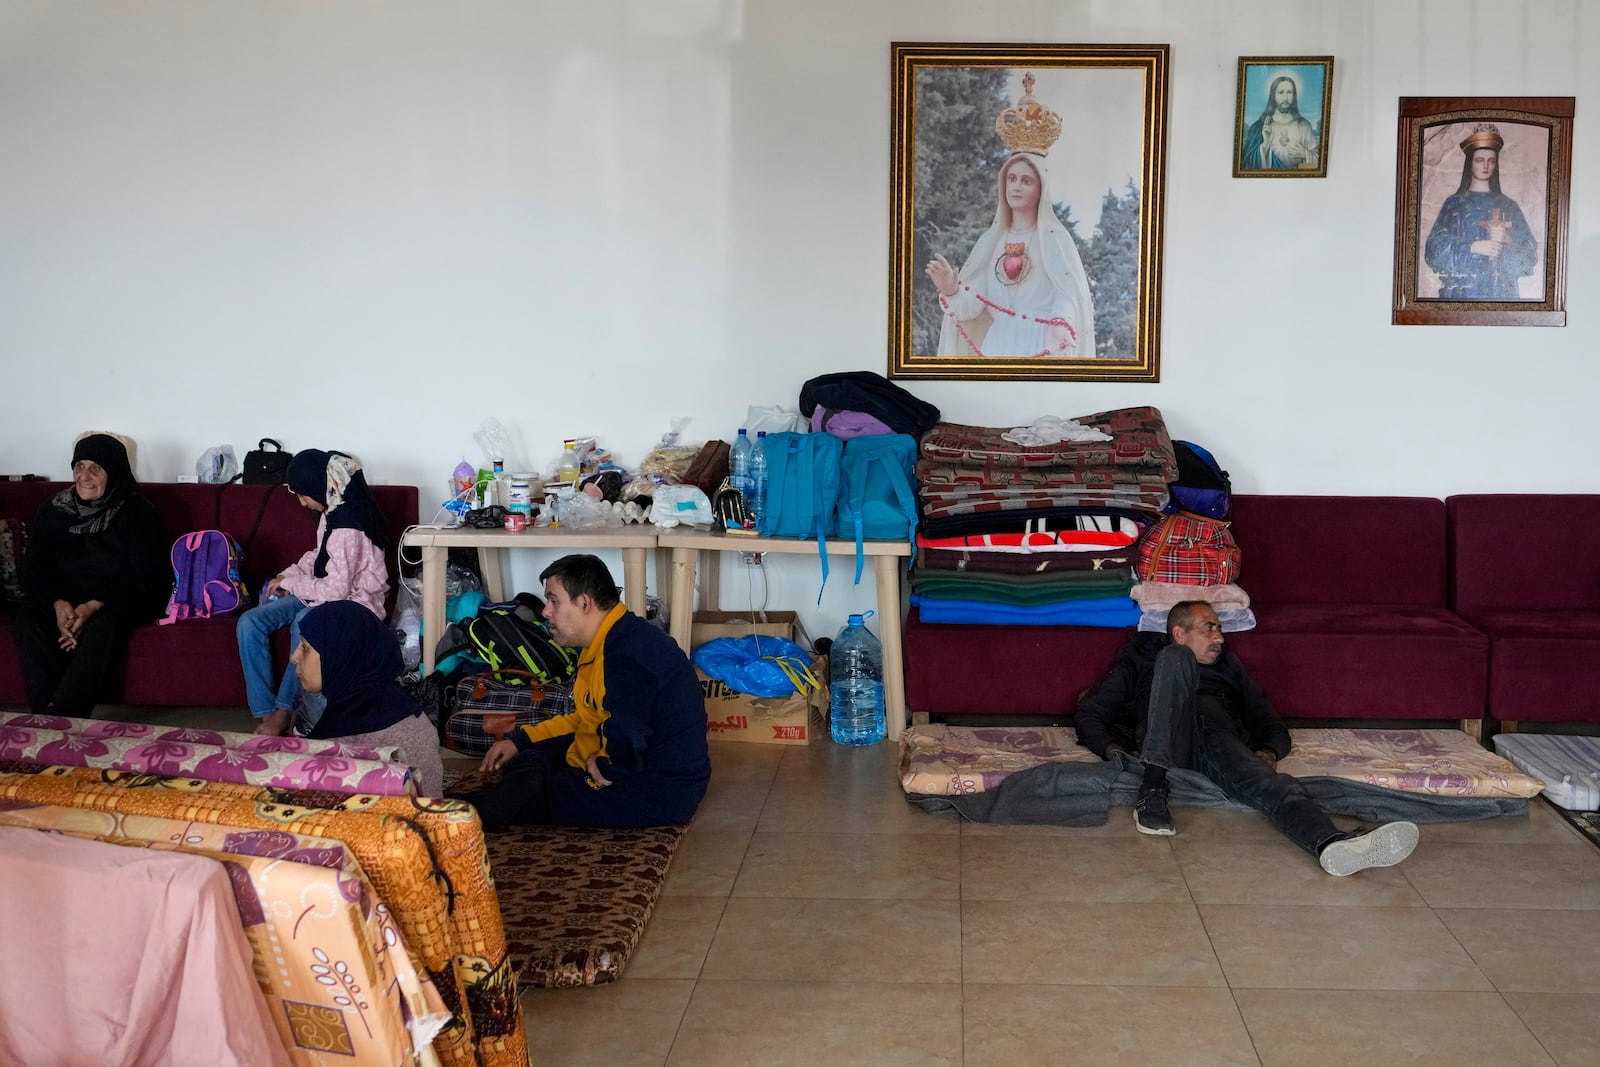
1114 710
126 566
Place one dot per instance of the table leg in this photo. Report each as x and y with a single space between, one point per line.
710 581
682 616
894 674
433 568
633 580
491 564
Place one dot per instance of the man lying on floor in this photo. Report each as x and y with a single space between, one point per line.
1186 701
633 753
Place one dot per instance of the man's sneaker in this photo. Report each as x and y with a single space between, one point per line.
1151 815
1383 847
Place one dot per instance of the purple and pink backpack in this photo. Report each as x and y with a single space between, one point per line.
205 574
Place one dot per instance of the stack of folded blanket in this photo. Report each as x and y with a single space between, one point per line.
1157 599
1038 525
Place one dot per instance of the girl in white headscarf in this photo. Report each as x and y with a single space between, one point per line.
348 563
1022 291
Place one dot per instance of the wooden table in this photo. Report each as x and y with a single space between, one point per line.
688 543
636 541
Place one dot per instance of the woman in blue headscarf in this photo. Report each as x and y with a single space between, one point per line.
352 659
97 566
346 564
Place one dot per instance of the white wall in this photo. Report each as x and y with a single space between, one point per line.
371 224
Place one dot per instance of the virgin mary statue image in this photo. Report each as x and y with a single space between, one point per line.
1022 291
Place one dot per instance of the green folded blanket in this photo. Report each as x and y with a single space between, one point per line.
1023 590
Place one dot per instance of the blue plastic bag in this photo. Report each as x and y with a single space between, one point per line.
758 665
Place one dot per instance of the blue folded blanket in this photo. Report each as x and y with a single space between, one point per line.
1112 611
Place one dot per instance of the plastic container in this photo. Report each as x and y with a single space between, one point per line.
756 502
463 479
521 495
570 468
855 668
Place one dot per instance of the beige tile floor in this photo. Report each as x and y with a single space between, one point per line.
812 917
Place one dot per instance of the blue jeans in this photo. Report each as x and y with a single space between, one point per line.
1176 734
255 630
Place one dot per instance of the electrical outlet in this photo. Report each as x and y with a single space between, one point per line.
752 558
187 479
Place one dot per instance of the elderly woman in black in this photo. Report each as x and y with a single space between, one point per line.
97 566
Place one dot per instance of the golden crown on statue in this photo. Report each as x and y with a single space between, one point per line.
1028 127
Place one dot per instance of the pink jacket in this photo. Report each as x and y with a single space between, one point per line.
356 571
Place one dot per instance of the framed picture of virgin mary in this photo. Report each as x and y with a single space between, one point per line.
1481 200
1025 229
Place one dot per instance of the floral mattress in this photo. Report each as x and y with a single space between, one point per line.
215 755
951 760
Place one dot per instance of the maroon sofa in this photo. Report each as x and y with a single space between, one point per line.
1351 606
196 662
1525 571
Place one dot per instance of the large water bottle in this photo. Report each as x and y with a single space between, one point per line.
855 668
739 465
758 477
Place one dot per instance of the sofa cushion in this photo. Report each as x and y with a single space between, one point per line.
1341 550
1571 625
1366 661
955 669
1384 620
1524 551
1541 664
198 658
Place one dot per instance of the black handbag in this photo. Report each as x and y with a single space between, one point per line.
264 467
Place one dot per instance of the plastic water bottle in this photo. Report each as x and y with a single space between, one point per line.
855 692
758 477
568 469
739 465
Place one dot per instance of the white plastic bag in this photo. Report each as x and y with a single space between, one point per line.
406 622
496 443
775 419
216 466
685 505
583 512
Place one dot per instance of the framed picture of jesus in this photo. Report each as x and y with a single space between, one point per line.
1280 118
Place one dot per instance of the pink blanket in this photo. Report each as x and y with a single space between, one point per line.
216 756
124 956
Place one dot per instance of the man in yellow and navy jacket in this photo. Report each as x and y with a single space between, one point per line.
633 753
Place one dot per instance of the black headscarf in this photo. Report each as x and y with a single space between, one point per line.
318 475
361 669
67 512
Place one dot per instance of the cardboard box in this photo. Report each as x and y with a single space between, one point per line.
735 716
713 624
792 720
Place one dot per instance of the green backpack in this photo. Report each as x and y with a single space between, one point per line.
513 636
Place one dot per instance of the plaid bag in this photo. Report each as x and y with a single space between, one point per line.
491 705
1189 549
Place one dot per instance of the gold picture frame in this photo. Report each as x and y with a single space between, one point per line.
1286 93
983 284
